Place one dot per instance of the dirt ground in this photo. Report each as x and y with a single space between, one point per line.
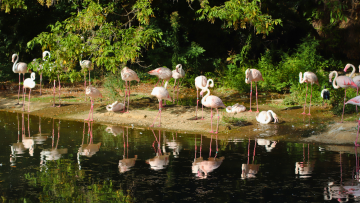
321 127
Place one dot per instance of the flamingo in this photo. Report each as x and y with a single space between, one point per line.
128 75
90 148
86 64
344 82
29 83
200 83
250 76
250 170
126 163
160 93
266 117
356 79
178 73
236 108
161 160
44 58
20 68
93 93
116 106
325 94
309 77
355 101
162 73
212 102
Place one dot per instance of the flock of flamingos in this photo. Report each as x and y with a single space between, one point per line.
201 82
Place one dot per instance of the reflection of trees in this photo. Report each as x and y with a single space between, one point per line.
65 182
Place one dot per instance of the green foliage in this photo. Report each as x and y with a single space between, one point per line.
114 85
7 5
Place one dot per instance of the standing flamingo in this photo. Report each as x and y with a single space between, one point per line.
162 73
20 68
41 67
128 75
309 77
58 69
178 73
86 64
160 93
29 83
355 101
266 117
212 102
93 93
344 82
200 83
356 79
250 76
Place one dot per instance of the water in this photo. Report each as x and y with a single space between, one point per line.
63 161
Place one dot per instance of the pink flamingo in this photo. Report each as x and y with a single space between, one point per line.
128 75
162 73
93 93
355 101
266 117
160 93
356 79
200 83
178 73
309 77
29 83
20 68
250 76
212 102
344 82
86 64
236 108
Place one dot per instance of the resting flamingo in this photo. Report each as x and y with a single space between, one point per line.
20 68
236 108
212 102
250 76
200 83
178 73
93 93
29 83
116 106
160 93
266 117
309 77
356 79
128 75
355 101
162 73
86 64
344 82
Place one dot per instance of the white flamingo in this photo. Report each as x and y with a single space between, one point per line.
162 73
178 73
93 93
266 117
236 108
20 68
200 83
160 93
356 79
116 106
30 84
86 64
128 75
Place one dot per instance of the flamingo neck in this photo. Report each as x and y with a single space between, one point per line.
269 118
203 101
15 63
353 69
336 75
166 83
32 76
228 110
302 79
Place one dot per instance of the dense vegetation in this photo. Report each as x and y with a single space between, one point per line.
219 39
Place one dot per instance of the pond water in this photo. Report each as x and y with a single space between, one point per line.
49 160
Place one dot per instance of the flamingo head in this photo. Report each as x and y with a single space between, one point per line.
13 57
202 92
178 66
346 67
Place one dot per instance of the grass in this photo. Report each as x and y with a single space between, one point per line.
234 121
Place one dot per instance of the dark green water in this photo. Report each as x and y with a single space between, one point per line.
80 162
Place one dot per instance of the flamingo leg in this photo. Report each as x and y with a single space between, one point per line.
342 116
160 120
24 92
91 110
89 78
128 99
160 105
356 144
357 92
210 146
305 98
217 126
197 102
85 84
19 90
59 92
29 101
211 121
125 96
157 82
310 102
54 94
174 91
250 96
257 106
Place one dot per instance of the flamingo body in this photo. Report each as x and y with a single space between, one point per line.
116 106
236 108
266 117
178 72
93 93
253 75
128 75
162 73
200 83
29 83
20 68
160 93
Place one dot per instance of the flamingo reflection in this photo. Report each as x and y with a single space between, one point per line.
88 149
203 167
161 160
18 147
304 168
269 145
28 142
115 130
250 170
174 145
40 138
126 163
53 153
